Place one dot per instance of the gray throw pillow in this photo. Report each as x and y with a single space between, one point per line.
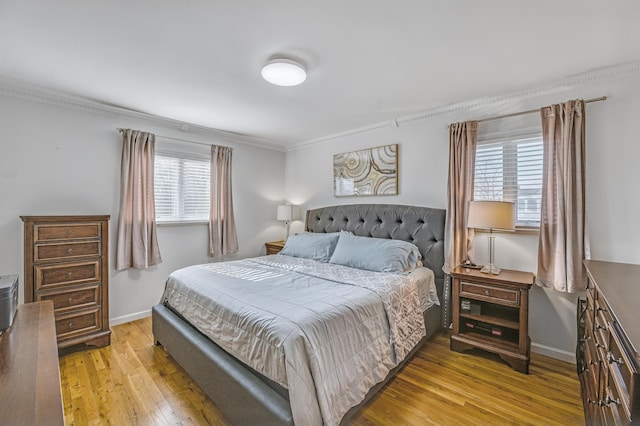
376 254
311 245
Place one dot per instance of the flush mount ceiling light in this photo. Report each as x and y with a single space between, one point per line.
284 72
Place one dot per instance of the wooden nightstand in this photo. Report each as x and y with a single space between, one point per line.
274 247
491 312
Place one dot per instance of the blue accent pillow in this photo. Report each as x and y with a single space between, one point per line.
311 245
376 254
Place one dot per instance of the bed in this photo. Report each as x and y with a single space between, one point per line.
247 386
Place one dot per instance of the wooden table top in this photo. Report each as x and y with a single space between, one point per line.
29 369
619 284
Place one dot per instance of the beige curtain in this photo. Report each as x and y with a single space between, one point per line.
222 224
564 240
137 243
458 239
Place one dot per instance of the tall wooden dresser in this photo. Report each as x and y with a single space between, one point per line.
608 356
66 260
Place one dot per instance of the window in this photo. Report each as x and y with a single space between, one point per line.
511 170
181 187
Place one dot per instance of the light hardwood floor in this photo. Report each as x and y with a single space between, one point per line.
134 382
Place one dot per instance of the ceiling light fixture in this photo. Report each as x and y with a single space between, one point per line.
284 72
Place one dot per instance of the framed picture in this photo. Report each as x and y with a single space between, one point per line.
372 171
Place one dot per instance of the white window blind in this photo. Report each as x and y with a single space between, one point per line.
181 187
511 170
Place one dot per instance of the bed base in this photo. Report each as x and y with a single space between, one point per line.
243 395
235 389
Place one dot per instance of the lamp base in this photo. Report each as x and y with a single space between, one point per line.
490 268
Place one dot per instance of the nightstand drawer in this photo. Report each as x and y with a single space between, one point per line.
274 247
490 294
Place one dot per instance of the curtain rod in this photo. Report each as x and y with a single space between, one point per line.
120 130
601 98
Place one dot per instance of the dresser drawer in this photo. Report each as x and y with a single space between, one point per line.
52 276
65 251
76 323
622 373
615 408
490 294
67 300
67 231
602 320
591 306
591 361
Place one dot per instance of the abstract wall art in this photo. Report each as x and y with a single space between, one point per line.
372 171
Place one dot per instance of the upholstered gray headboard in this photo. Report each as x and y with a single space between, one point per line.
423 226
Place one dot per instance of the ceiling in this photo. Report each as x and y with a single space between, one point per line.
368 61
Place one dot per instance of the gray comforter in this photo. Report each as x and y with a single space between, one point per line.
326 332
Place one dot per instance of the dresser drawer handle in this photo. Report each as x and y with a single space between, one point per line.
70 299
600 327
611 358
70 250
600 345
585 338
610 400
69 274
593 401
70 325
601 309
486 292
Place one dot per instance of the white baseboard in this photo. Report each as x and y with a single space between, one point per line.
555 353
128 318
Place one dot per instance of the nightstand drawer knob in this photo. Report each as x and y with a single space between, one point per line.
69 274
70 325
70 250
70 299
486 292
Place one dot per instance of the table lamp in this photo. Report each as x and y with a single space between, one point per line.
285 213
492 215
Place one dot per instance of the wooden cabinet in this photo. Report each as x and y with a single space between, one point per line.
66 262
607 353
29 371
274 247
491 312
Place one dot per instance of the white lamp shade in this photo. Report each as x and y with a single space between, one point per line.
285 212
492 215
284 72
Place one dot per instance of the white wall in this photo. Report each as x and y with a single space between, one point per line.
60 160
613 171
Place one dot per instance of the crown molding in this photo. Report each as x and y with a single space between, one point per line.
28 92
554 86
